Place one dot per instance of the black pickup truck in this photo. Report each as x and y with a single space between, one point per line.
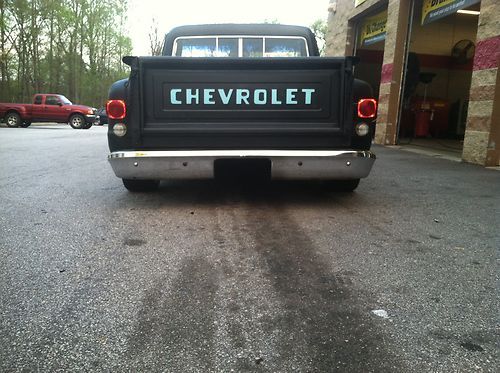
234 96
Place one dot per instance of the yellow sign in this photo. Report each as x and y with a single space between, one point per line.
374 29
358 2
432 10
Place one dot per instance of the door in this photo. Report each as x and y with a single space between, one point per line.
38 110
54 110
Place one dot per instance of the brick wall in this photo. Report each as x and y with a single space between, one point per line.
482 135
392 71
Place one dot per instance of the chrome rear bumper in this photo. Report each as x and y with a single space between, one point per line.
199 164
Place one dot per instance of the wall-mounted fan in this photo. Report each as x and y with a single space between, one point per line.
463 51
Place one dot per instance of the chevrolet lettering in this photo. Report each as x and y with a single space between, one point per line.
241 96
249 100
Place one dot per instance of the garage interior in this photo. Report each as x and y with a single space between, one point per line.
437 80
438 73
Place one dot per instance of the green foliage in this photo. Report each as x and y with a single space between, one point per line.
320 28
72 47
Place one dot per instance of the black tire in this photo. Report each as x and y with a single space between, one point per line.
77 121
141 185
13 119
25 124
87 126
345 186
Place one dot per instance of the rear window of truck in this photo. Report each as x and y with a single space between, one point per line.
240 46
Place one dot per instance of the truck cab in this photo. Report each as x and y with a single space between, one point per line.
240 94
266 40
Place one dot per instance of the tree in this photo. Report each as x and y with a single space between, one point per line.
320 28
155 40
62 46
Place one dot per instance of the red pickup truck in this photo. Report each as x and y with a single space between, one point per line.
48 108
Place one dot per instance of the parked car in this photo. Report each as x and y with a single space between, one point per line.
48 108
102 117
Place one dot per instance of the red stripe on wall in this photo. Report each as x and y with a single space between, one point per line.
487 53
386 75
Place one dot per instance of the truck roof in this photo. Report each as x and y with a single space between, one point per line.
261 29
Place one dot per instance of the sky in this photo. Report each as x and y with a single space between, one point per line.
169 14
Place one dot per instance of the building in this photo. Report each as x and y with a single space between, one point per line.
432 63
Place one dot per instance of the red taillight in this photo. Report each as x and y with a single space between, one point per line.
367 108
116 109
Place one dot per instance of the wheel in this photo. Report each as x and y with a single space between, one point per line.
25 124
86 126
141 185
343 185
13 119
77 121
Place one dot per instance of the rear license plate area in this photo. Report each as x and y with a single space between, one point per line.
242 169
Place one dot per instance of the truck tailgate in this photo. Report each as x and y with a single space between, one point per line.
241 103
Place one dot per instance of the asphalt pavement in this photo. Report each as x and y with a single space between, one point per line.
399 276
